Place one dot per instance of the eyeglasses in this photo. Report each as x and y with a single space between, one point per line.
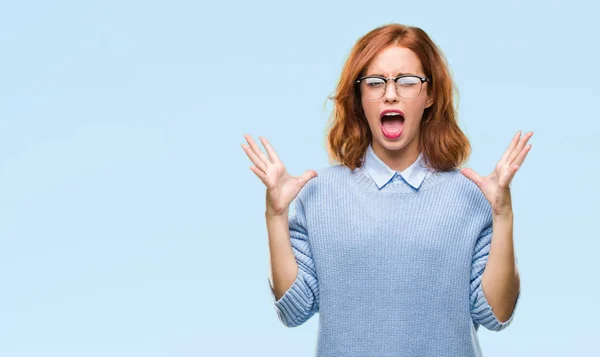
407 86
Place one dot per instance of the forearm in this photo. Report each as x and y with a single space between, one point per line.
283 265
500 281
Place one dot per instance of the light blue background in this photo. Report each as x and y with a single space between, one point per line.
131 225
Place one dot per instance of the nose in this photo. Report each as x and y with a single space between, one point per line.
391 94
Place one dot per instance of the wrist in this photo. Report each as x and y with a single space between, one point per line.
269 214
504 215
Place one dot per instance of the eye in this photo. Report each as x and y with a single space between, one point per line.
374 82
408 81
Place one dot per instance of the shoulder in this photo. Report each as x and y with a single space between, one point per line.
472 197
467 187
332 172
464 184
328 178
459 189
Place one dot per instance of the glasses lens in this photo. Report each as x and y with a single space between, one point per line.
408 87
373 88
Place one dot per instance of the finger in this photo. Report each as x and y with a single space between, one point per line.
272 155
306 176
508 177
511 146
261 175
514 167
473 176
255 160
256 149
519 147
521 158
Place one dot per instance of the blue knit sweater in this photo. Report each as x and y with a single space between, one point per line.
394 272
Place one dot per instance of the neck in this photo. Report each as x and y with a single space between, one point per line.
397 160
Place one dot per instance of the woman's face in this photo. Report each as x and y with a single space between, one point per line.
395 133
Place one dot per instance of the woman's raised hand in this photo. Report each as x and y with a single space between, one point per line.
281 187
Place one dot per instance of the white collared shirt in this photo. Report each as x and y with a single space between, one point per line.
382 174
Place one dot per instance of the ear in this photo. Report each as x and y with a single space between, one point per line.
429 102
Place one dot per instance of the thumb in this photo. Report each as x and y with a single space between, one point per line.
306 176
472 175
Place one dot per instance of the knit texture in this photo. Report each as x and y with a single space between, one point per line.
391 272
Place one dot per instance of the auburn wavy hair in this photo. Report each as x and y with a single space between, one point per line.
444 145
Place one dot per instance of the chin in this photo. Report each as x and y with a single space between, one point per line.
394 144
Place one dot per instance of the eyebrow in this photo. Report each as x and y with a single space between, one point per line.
396 75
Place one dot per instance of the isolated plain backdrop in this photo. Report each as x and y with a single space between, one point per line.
131 225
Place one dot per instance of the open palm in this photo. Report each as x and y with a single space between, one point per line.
282 188
496 186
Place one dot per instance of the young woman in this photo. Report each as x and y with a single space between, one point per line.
401 252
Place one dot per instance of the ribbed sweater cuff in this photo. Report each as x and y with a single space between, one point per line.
485 314
295 304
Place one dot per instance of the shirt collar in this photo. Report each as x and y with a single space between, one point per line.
414 175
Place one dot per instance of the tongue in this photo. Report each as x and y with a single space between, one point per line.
392 125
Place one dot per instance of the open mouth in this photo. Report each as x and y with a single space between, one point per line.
392 123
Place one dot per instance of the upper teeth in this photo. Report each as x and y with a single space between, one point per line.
392 113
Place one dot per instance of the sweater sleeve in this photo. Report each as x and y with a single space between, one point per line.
481 311
301 300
